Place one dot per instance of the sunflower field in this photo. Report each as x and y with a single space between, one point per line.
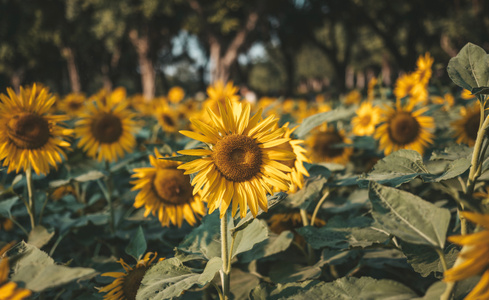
379 194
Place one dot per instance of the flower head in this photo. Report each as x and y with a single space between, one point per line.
367 117
467 126
325 145
9 289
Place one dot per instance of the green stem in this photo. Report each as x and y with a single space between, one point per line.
32 203
442 259
314 214
219 292
305 221
226 266
18 225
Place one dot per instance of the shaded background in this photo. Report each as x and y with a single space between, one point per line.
273 47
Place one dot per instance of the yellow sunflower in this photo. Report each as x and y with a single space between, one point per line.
474 257
447 101
423 68
296 165
167 118
367 117
72 104
353 97
29 136
241 163
410 85
467 95
467 126
126 284
404 128
166 192
323 146
176 94
9 289
106 130
218 93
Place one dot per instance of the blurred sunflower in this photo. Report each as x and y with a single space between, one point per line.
447 101
467 126
72 104
474 257
242 162
353 97
126 284
404 128
167 118
296 165
29 136
409 85
467 95
176 94
9 289
367 117
324 146
218 93
118 95
166 192
371 88
106 130
423 68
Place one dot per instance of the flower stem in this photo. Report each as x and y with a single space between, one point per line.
442 258
314 214
226 266
108 183
32 203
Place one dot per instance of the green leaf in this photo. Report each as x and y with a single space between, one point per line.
314 121
480 91
137 245
343 288
182 158
426 261
284 273
89 176
203 241
409 217
272 245
242 283
38 271
6 206
310 193
39 236
169 278
470 68
245 239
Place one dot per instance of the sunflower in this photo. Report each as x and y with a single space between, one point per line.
353 97
323 146
176 94
167 118
166 192
410 85
9 289
242 160
126 284
106 130
296 165
29 136
366 119
218 93
423 68
467 95
474 257
404 128
467 126
72 104
447 101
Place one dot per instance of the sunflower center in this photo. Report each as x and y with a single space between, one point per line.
28 131
73 105
237 157
168 120
404 128
471 126
172 186
324 144
365 120
132 281
106 128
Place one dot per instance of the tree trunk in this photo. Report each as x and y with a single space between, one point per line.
146 68
69 56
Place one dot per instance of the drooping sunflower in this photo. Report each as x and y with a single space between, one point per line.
298 172
467 126
176 94
9 289
167 118
126 284
324 145
106 130
72 104
29 136
242 162
404 128
367 117
423 68
474 257
166 192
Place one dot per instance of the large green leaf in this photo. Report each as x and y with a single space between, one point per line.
38 271
284 273
254 233
470 68
39 236
343 288
314 121
409 217
272 245
6 206
425 260
137 245
169 278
